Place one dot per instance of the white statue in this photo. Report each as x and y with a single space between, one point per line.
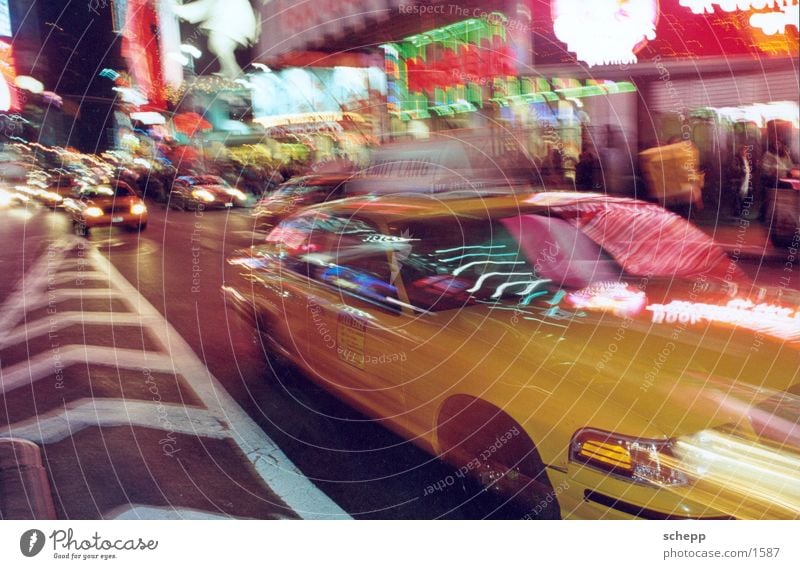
230 24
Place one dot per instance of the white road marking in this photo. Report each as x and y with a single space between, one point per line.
73 276
79 264
269 461
61 294
34 279
46 363
223 418
55 322
83 413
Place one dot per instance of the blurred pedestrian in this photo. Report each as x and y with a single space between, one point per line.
585 171
776 163
742 180
553 167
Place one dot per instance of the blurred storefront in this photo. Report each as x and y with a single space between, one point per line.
466 76
199 58
28 110
715 75
569 90
443 62
604 82
470 67
329 110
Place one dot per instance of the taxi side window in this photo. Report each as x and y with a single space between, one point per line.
367 278
347 254
457 262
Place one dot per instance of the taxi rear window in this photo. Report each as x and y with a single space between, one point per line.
454 262
457 261
117 190
648 240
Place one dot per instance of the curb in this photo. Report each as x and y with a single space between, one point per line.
24 487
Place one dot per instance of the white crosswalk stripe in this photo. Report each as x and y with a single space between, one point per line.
221 417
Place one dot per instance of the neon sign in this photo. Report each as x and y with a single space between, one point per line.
8 77
605 33
778 321
616 297
784 12
5 20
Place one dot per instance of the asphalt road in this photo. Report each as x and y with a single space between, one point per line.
169 280
178 265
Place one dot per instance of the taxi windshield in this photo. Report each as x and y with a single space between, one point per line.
117 190
208 181
62 190
296 190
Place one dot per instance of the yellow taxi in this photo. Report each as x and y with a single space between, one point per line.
106 205
587 356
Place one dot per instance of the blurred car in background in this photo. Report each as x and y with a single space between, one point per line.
106 206
13 170
11 198
204 192
297 193
50 189
553 346
53 196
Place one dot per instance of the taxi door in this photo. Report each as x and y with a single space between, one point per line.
357 335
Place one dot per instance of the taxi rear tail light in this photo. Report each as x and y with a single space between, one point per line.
641 460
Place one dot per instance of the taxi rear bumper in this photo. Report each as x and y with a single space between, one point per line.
113 219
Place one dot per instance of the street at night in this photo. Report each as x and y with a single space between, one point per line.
392 260
165 294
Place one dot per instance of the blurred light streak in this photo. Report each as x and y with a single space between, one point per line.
741 477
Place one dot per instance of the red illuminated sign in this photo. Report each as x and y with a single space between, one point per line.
770 16
8 73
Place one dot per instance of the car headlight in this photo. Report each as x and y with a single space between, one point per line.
93 211
5 198
236 193
204 195
641 460
138 209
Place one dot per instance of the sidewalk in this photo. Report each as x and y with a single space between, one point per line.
740 237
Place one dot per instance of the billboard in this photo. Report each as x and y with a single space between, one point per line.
597 33
5 20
